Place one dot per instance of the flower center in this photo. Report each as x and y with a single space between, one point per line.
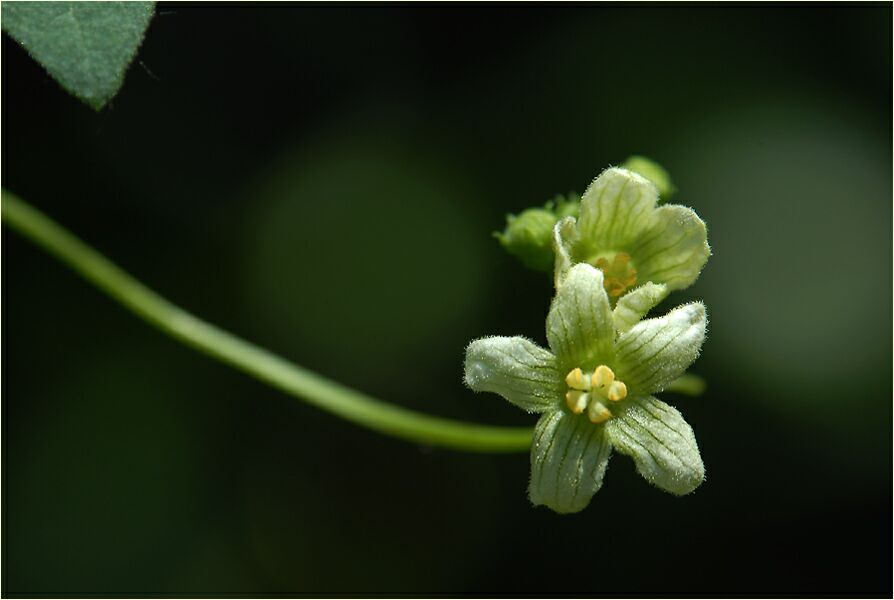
588 390
618 273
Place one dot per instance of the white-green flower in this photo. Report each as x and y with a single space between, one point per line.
624 232
595 387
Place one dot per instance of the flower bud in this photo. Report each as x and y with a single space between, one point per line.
654 172
528 235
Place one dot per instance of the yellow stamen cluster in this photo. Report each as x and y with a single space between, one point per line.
618 275
588 390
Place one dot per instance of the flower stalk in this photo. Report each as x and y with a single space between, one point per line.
261 364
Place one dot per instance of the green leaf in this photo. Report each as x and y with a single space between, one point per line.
569 456
661 443
657 351
85 46
517 369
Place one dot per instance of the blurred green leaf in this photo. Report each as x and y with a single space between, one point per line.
366 254
85 46
797 191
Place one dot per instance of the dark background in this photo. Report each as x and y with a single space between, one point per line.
323 180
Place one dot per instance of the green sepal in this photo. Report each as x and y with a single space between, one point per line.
660 442
515 368
569 456
636 304
579 326
654 172
655 352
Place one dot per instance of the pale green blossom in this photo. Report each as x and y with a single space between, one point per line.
594 389
625 233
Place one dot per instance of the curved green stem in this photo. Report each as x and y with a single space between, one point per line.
257 362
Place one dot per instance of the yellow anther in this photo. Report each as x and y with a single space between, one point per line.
577 401
597 412
603 376
575 380
586 389
619 275
617 391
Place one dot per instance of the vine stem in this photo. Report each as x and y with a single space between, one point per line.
293 379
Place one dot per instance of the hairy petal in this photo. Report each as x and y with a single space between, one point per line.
660 442
675 250
636 304
579 326
517 369
616 208
569 456
655 352
564 236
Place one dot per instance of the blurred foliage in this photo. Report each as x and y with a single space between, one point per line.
365 254
802 218
134 466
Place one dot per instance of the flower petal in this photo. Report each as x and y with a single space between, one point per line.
579 326
675 250
569 456
660 442
616 209
634 305
564 235
517 369
656 351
